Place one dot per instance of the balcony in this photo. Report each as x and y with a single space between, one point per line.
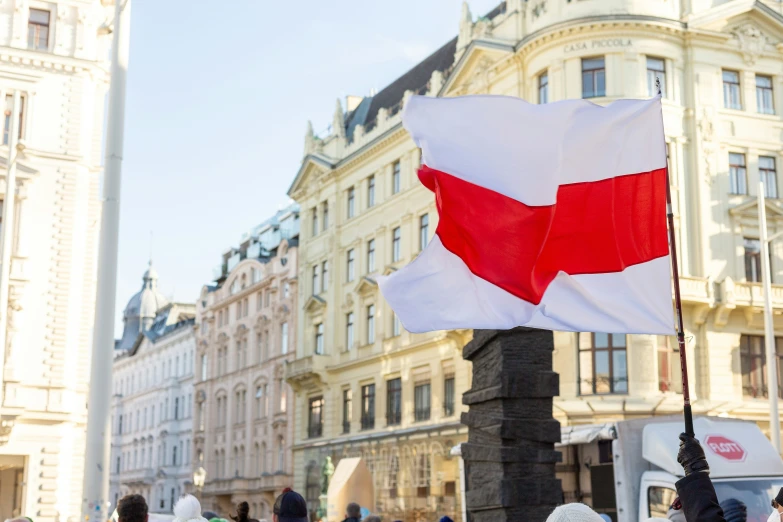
306 373
314 431
368 422
421 414
745 296
138 476
393 418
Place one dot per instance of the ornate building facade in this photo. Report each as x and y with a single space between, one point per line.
720 65
56 55
152 413
247 325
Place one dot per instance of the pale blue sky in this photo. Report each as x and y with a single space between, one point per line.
219 95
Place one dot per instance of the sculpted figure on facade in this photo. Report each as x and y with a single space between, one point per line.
751 41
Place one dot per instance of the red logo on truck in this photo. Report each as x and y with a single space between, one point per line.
726 448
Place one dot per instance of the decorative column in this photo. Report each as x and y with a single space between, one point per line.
510 455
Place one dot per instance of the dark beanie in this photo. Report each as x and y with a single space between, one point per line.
734 510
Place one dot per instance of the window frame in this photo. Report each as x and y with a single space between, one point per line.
424 231
347 409
9 97
37 25
350 332
315 417
653 73
396 244
731 89
371 256
394 407
610 349
738 174
767 174
371 191
370 324
761 356
593 73
543 87
350 202
350 262
318 349
368 407
420 411
763 94
396 177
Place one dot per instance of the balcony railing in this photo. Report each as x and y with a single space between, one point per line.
315 430
421 414
393 418
368 422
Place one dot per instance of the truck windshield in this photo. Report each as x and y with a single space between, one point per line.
756 494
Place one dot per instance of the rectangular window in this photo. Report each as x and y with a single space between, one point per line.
9 105
396 243
738 177
38 30
764 101
424 231
602 364
656 69
593 77
316 280
731 90
396 177
543 87
370 324
370 191
315 221
396 325
769 176
448 396
284 338
325 218
324 276
351 202
668 364
753 362
204 367
315 424
421 401
319 339
371 256
349 338
393 402
349 272
368 407
752 260
347 410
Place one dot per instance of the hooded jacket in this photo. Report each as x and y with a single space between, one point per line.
698 497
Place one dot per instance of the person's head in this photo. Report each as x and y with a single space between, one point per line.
777 502
372 518
243 509
734 510
446 519
290 506
209 515
188 509
574 513
132 508
353 510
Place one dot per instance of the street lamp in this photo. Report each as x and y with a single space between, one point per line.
199 477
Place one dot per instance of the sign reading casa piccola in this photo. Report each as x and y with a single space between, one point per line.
598 44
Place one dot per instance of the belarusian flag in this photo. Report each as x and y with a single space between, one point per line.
551 216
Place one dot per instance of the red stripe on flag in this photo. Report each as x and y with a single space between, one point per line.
594 227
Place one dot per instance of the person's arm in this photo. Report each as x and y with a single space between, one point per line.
696 492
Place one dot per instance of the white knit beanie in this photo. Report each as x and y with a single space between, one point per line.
188 509
574 513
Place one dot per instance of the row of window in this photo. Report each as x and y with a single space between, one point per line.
241 359
150 377
182 408
258 464
320 272
422 405
594 84
350 330
142 459
241 308
738 174
350 201
260 409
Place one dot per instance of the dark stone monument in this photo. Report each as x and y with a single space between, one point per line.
510 455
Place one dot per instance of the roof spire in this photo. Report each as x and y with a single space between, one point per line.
338 122
309 144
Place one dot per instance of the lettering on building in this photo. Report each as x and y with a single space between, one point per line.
599 44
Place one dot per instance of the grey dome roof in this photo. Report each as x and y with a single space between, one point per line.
149 300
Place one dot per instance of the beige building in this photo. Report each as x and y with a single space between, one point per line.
246 331
365 214
55 53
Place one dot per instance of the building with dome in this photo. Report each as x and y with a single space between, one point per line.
152 411
366 387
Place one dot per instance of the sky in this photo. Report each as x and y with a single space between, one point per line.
218 99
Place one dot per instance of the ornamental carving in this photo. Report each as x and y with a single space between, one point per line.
707 130
539 9
751 42
482 28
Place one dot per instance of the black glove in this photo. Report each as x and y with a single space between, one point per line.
691 455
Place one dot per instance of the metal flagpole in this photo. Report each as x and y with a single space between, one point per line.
769 333
686 394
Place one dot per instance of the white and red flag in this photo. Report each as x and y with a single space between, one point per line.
551 216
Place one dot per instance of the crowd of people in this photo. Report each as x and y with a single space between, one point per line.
696 501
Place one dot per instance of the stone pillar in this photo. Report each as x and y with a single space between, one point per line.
510 455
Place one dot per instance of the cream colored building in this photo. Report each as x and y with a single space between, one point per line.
721 66
56 54
247 327
152 411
